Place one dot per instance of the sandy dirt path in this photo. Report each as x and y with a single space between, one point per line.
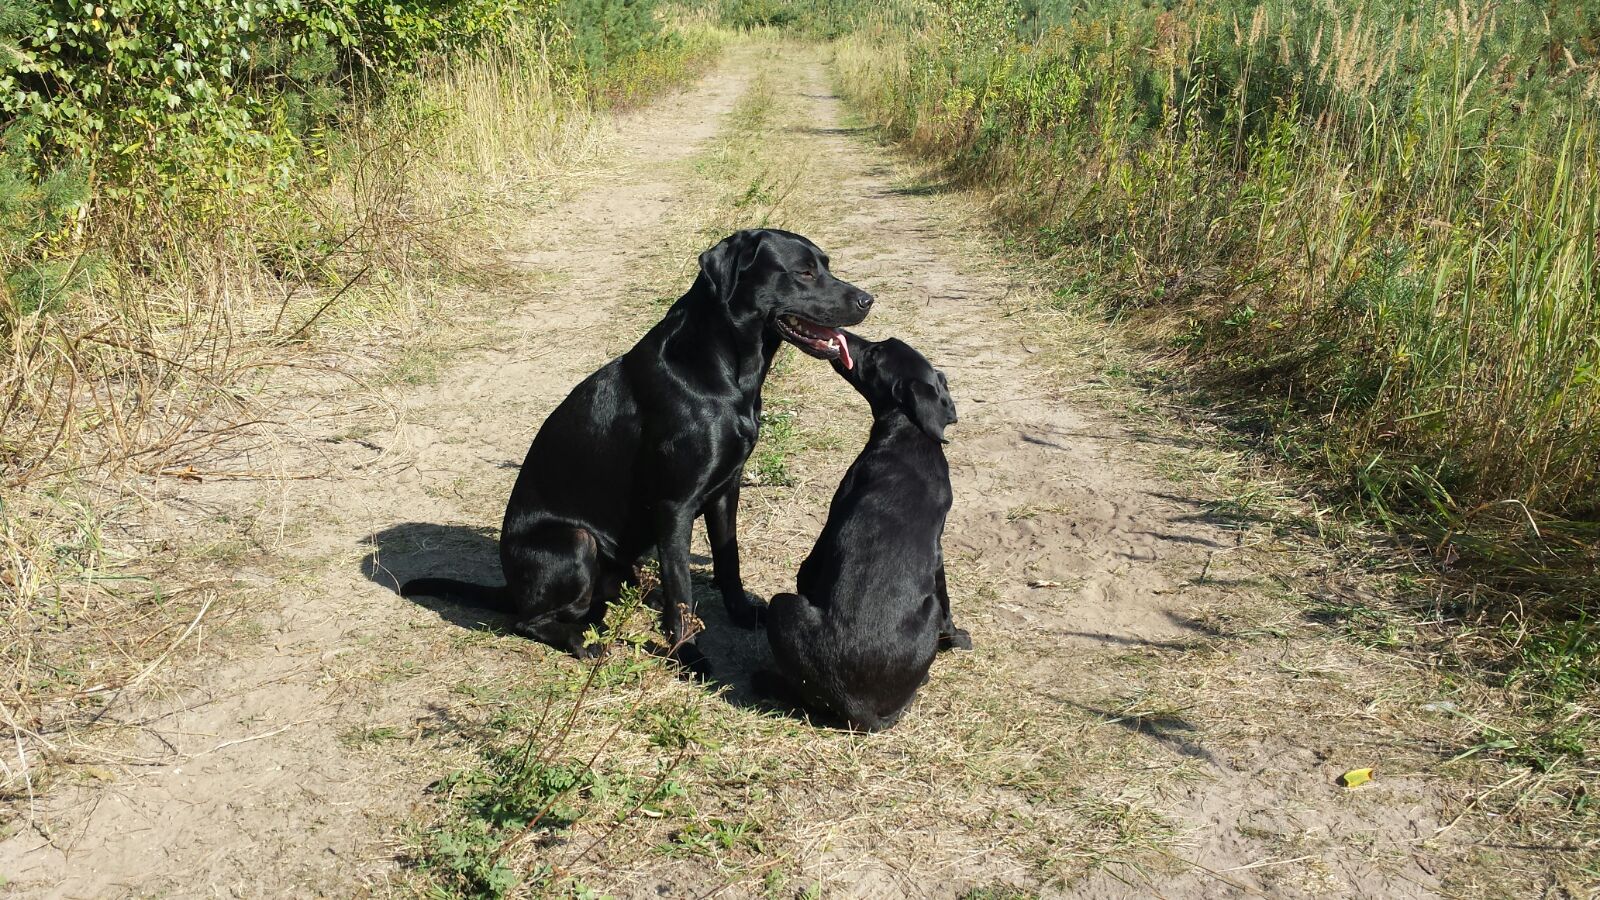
1140 692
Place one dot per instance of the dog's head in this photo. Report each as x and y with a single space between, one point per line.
891 374
784 278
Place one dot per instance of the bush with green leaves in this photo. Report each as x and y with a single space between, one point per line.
820 19
604 32
187 94
113 111
110 109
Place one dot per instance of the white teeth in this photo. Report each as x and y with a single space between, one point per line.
820 339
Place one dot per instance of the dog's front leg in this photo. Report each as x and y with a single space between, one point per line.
674 525
950 637
722 529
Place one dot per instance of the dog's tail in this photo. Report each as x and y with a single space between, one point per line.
483 596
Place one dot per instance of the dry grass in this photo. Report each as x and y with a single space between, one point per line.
172 366
512 122
1523 760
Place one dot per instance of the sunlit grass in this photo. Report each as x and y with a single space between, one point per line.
1376 226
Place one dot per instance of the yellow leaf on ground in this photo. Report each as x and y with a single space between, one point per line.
1355 778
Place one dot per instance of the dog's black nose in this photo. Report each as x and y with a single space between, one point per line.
863 299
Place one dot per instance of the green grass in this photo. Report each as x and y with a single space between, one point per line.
769 461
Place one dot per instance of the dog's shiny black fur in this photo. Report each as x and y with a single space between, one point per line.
649 442
872 608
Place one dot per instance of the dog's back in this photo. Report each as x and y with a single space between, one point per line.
859 637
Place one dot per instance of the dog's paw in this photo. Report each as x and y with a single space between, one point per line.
687 657
769 685
776 692
694 663
746 610
958 639
592 651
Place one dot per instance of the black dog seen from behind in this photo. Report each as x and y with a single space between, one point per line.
872 608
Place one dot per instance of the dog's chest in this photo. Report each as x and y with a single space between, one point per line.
724 445
747 428
734 444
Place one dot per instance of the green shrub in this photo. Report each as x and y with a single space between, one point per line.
605 32
32 207
112 112
821 19
193 93
746 14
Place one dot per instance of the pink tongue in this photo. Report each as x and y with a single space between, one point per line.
844 351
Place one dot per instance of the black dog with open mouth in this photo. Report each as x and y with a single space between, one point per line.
872 608
656 438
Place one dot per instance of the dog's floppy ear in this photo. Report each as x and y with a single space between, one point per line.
731 256
929 406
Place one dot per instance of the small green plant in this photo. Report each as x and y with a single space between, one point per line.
542 784
1560 661
522 790
997 893
777 444
774 884
716 836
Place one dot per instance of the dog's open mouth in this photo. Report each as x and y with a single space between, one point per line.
818 340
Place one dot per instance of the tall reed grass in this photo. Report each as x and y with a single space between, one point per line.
1375 221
